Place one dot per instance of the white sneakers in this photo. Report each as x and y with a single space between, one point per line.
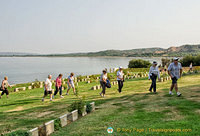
178 93
170 93
61 96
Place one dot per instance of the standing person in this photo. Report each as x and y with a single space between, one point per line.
59 85
191 66
103 83
70 83
120 79
175 72
4 87
153 74
48 88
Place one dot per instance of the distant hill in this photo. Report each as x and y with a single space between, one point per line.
143 52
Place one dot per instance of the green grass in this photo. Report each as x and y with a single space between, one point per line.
134 109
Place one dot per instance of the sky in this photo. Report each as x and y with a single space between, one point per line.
68 26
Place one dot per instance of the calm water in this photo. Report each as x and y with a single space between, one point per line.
28 69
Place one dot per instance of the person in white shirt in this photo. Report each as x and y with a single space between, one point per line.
103 79
153 74
120 79
175 72
48 88
70 83
191 66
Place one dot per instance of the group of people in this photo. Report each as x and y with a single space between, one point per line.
104 79
174 71
58 86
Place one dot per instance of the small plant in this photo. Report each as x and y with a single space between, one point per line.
57 124
36 84
88 108
77 105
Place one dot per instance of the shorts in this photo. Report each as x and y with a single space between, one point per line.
47 92
174 80
5 91
72 85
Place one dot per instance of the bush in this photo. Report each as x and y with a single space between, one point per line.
139 63
187 60
18 133
77 105
88 108
165 62
57 124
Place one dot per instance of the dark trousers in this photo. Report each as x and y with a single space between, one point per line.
58 89
5 91
120 85
153 84
103 85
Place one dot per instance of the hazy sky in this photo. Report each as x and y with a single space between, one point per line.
63 26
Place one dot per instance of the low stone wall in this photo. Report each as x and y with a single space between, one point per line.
48 128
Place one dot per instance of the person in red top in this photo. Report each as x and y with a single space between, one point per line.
59 85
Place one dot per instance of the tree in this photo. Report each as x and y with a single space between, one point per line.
139 63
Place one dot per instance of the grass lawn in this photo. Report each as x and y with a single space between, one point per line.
134 112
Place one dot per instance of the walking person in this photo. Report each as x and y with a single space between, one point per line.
4 87
59 85
120 79
153 74
103 83
175 72
190 67
70 83
48 88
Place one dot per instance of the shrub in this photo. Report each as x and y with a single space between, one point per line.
165 62
57 124
88 108
77 105
139 63
18 133
187 60
36 84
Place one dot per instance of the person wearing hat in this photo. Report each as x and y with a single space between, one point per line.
120 79
103 79
175 72
153 74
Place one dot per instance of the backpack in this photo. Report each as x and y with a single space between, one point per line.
108 84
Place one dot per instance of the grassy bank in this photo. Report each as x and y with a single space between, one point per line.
134 108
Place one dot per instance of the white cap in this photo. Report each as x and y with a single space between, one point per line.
120 67
175 58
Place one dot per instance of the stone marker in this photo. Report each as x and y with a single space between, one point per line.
88 82
29 87
98 87
16 90
32 83
64 82
88 77
84 111
79 80
93 106
76 84
34 132
73 116
63 88
63 120
161 79
94 88
49 127
41 85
